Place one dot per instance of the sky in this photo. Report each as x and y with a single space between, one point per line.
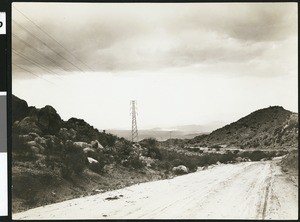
184 63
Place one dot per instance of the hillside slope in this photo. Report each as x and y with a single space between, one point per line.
55 160
272 127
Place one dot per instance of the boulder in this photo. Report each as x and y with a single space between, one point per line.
95 144
53 142
82 145
25 138
147 160
181 169
35 147
67 134
92 160
27 125
85 132
41 141
33 135
88 150
72 133
239 159
48 120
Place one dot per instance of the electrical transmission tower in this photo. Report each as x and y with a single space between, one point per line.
134 130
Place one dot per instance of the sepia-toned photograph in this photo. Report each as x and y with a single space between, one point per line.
154 111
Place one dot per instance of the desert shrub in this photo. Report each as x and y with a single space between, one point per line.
235 151
177 162
267 143
149 142
96 167
154 153
245 154
194 149
152 148
257 155
122 150
293 124
290 162
191 165
212 158
136 163
17 143
228 156
99 156
281 152
26 187
271 154
107 139
73 160
164 164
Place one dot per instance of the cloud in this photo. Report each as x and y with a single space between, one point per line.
122 37
245 22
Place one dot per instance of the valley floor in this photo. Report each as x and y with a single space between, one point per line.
248 190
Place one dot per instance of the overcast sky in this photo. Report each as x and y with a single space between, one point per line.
190 63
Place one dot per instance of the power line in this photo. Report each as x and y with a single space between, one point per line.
34 62
40 76
37 51
32 73
52 39
45 44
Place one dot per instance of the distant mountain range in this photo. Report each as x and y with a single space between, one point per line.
179 132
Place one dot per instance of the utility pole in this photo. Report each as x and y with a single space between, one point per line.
134 130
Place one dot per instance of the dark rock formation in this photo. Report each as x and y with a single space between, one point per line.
19 108
48 120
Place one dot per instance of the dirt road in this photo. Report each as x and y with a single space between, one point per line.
250 190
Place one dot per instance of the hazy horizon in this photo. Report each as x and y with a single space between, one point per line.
184 63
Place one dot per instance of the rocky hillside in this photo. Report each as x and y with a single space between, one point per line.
272 127
54 160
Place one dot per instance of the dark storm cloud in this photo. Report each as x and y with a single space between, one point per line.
246 22
153 36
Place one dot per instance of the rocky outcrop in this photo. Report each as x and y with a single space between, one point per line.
48 120
30 119
67 134
85 132
20 108
27 125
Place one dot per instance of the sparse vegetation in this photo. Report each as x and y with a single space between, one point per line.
272 127
290 162
48 152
